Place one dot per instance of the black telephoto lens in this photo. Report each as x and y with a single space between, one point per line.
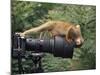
57 46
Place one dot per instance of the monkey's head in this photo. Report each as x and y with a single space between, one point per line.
74 35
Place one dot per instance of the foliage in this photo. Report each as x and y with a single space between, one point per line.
25 15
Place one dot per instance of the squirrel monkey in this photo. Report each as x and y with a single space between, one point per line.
69 31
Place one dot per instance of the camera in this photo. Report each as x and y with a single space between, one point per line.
57 46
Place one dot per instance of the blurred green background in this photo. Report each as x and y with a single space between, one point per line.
25 15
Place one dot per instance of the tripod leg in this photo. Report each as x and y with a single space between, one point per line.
20 64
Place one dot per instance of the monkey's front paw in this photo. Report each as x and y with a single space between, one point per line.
21 34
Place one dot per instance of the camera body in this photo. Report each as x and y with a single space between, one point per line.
57 46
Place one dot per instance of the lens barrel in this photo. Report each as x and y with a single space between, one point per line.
57 46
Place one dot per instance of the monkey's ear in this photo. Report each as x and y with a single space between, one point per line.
78 26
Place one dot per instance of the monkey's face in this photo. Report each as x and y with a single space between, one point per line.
75 35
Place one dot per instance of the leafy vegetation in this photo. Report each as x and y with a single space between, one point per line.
25 15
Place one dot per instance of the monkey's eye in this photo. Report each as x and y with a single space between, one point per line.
75 34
